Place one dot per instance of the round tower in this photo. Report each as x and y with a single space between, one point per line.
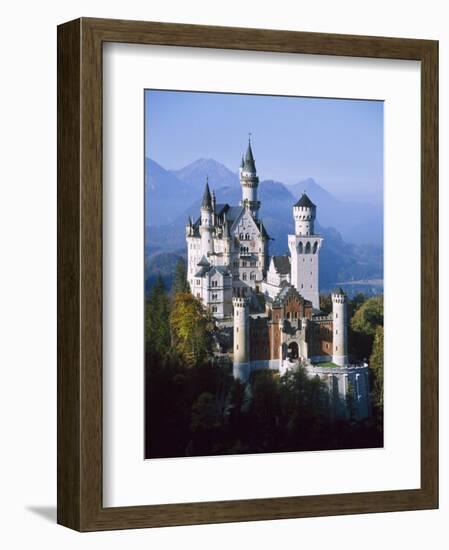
249 182
340 328
207 244
241 368
304 212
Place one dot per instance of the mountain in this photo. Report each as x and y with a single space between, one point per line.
169 192
340 261
358 223
194 175
318 194
165 196
352 249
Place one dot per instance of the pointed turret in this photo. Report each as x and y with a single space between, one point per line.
304 213
249 182
207 215
249 164
206 203
304 201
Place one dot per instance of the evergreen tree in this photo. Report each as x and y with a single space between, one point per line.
157 314
180 283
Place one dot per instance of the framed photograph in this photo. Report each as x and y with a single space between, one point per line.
247 274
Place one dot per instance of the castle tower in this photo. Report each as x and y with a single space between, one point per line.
340 330
207 245
241 368
305 248
249 182
304 213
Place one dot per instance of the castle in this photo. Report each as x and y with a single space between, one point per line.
271 304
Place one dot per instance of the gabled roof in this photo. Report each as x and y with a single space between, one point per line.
281 264
202 271
233 213
212 269
236 213
304 201
220 208
203 262
286 292
223 270
282 294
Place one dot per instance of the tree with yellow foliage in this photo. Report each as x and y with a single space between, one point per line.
190 328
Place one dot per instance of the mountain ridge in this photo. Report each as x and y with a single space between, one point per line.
169 201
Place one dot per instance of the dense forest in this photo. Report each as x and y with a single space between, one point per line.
194 406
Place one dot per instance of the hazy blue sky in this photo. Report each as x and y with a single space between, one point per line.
337 142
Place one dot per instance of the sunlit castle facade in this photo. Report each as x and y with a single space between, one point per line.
227 246
271 303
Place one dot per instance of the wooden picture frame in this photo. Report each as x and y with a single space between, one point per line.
80 503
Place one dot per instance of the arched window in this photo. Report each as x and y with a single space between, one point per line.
241 236
244 276
252 276
308 247
300 248
293 350
247 237
315 246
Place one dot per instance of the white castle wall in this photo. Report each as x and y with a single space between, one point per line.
241 365
304 253
304 220
340 329
207 242
348 389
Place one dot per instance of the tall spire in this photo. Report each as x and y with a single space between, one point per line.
207 200
249 164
